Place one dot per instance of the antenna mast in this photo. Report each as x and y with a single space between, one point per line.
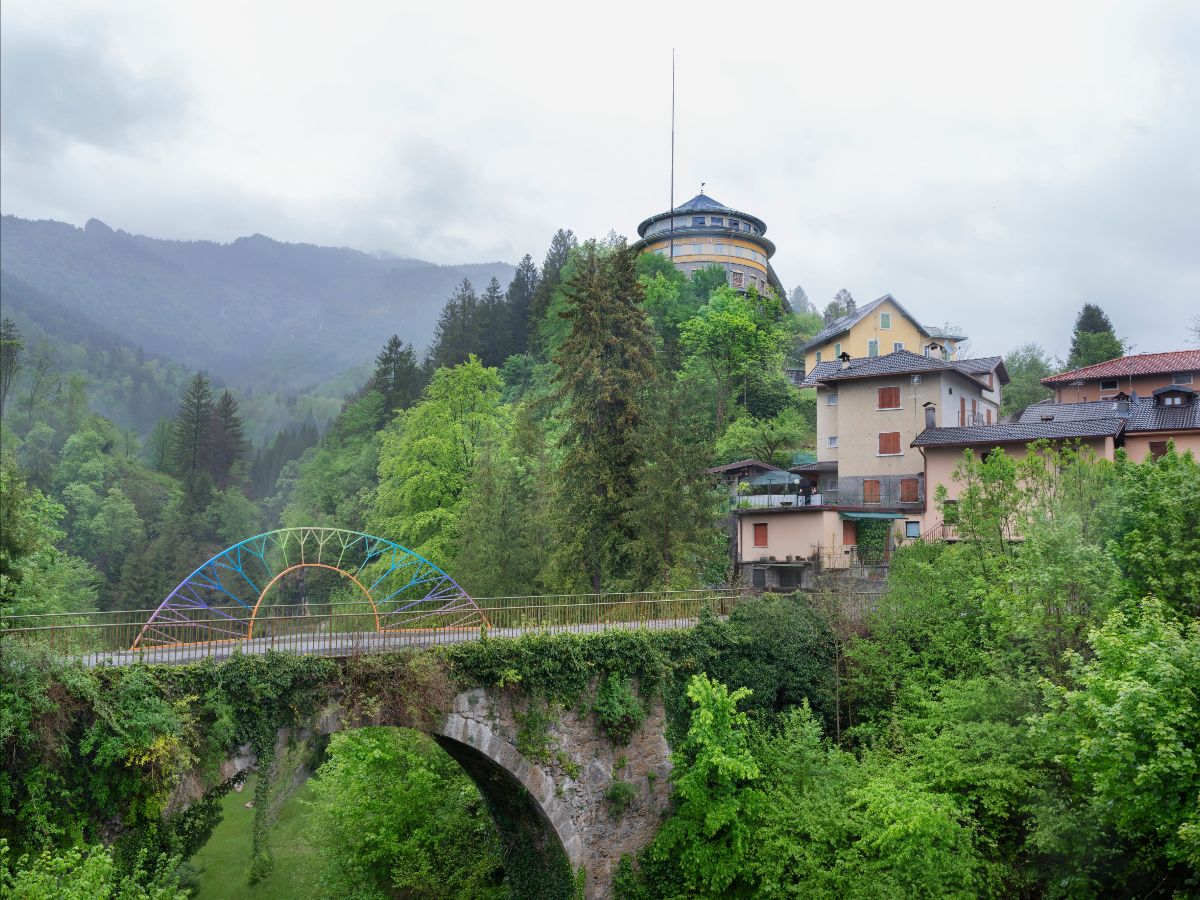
672 155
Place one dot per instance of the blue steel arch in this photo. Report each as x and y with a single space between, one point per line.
221 598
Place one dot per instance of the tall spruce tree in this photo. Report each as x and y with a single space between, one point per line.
11 345
602 368
1093 340
228 439
493 342
457 334
518 305
192 430
561 246
397 376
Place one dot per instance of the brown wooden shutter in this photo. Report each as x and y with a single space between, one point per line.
908 490
870 491
849 533
760 534
1158 449
889 398
962 410
889 442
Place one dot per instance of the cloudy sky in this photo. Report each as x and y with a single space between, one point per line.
994 170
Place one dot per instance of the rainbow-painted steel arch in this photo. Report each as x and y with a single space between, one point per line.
221 599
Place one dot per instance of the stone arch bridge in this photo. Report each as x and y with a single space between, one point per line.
553 816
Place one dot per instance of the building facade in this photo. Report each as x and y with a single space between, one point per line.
878 328
704 232
1141 374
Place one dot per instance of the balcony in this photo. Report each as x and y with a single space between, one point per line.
782 501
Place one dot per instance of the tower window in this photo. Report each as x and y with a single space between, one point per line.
738 280
717 220
698 221
733 223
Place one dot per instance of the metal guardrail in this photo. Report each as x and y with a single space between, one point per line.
350 629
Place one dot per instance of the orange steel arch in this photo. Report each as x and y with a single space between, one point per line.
308 565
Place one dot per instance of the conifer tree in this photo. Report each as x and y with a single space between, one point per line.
492 347
397 376
192 430
518 303
561 246
228 438
603 365
11 345
1093 340
457 334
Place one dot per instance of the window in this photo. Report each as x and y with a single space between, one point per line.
889 443
1109 384
1172 400
697 221
885 320
871 491
831 399
889 398
760 534
833 440
738 280
837 349
897 346
1181 378
872 348
818 356
989 415
787 578
733 223
912 529
908 490
1158 449
717 220
758 578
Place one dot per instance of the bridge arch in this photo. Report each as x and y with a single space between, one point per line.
220 600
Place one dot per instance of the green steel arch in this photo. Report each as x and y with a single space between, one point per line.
221 599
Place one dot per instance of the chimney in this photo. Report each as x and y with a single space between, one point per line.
828 318
845 358
851 307
1121 405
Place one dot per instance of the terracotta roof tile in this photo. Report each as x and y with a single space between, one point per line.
1141 364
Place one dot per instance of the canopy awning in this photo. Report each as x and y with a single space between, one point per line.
772 478
871 515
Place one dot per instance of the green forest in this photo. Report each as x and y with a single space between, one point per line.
1011 718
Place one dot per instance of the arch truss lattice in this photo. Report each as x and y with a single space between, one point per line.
224 598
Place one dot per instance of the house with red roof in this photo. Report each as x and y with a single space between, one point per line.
1141 374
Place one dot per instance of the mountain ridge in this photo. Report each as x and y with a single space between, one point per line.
256 310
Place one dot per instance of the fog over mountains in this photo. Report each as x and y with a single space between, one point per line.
257 312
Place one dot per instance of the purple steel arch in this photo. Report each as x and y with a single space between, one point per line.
406 589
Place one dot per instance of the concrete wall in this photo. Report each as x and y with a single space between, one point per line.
1138 445
940 463
795 532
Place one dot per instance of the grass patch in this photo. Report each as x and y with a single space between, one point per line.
225 860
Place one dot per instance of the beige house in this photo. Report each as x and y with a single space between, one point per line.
869 412
1142 426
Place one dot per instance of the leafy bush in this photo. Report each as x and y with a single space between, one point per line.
618 709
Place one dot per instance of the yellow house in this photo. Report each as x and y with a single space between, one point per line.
880 327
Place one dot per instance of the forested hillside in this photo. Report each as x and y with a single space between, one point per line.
253 312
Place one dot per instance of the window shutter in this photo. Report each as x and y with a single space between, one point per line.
889 398
908 490
889 442
760 534
870 491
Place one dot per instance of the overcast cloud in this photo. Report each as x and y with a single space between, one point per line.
994 168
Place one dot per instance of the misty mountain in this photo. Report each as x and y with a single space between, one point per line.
256 312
